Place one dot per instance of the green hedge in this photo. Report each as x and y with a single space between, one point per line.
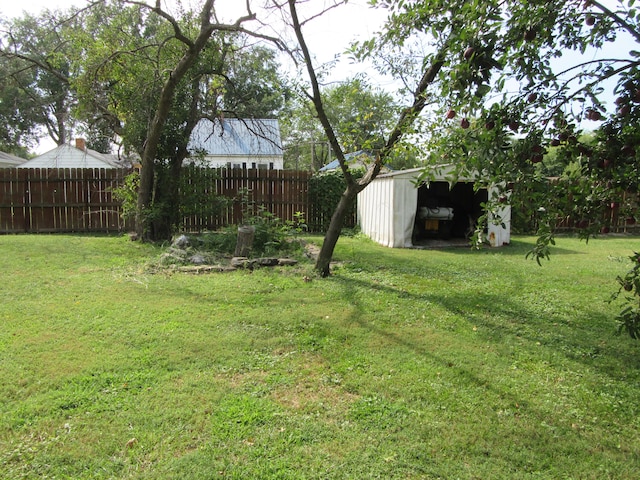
325 190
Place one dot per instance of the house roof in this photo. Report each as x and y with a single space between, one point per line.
237 137
359 159
435 172
68 156
8 160
353 159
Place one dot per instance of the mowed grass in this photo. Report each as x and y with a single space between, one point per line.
408 364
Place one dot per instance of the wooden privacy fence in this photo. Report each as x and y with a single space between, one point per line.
282 193
37 200
82 200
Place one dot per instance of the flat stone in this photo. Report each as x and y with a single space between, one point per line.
287 262
267 262
240 262
198 269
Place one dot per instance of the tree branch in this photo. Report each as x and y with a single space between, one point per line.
620 21
316 96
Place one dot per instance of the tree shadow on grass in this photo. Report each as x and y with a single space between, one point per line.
516 247
514 334
501 320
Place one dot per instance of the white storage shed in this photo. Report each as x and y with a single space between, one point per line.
396 210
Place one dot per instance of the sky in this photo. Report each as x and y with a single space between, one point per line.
327 36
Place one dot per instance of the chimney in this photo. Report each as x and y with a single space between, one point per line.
81 144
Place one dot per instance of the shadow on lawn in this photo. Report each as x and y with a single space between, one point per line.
516 247
501 320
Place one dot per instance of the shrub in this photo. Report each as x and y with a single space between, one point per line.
325 190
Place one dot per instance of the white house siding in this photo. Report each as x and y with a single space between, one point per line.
498 235
239 143
266 162
10 161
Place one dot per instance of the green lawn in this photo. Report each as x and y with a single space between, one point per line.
404 364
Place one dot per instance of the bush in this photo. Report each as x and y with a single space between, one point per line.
325 190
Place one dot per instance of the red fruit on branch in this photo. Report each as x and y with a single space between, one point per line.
464 123
514 125
489 124
628 151
532 97
468 53
624 110
590 20
450 114
594 115
584 150
555 142
530 35
536 158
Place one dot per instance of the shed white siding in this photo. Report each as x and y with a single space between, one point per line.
387 210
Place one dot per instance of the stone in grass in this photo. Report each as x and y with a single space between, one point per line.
244 262
197 259
240 262
181 242
267 262
287 262
199 269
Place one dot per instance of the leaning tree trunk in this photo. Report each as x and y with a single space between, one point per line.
192 50
335 227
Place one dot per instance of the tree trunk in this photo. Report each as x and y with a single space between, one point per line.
246 234
164 107
151 144
335 228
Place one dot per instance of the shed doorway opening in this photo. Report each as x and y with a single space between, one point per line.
446 214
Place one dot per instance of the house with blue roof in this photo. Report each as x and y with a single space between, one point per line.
237 143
